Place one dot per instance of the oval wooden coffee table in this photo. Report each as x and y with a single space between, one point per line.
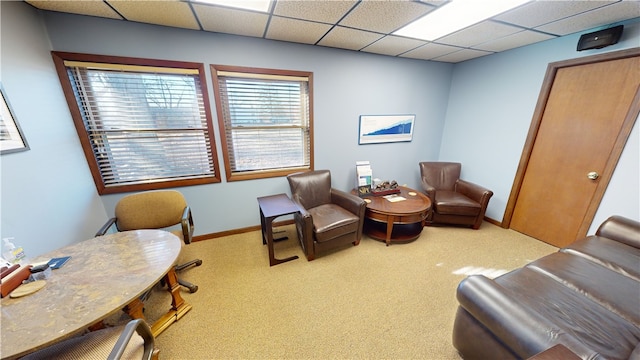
396 221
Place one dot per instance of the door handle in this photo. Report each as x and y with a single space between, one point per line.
593 175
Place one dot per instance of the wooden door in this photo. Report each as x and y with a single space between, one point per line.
582 128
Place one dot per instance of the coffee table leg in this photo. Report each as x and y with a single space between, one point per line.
389 229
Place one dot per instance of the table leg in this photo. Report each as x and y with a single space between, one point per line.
268 233
389 229
179 307
135 309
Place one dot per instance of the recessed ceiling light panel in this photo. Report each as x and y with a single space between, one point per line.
255 5
455 15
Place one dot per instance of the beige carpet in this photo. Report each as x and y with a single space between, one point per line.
364 302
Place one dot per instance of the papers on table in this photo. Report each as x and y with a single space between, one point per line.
394 198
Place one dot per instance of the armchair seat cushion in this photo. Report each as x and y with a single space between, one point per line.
331 221
453 203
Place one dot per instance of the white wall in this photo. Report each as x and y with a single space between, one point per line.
48 196
346 85
490 109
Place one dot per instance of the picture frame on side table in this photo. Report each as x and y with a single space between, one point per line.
376 129
11 137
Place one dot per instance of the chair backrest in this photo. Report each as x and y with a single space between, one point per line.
150 210
311 188
441 175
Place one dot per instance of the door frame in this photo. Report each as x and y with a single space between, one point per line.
621 140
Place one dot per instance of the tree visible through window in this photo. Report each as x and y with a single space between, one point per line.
267 120
144 124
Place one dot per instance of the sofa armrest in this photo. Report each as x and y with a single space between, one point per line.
474 192
621 229
521 329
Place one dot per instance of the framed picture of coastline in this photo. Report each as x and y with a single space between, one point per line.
11 138
385 128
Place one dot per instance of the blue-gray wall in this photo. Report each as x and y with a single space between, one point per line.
48 196
490 109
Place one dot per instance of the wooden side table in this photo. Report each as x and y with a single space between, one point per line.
272 207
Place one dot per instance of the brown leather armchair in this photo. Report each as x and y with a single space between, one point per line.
454 201
328 217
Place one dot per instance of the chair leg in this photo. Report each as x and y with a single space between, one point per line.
196 262
192 287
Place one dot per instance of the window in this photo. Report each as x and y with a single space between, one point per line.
266 122
143 124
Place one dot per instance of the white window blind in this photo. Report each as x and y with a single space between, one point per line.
266 121
144 124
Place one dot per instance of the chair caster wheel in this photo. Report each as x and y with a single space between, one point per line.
193 288
198 263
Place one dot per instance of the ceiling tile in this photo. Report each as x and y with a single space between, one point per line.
91 8
538 13
231 21
314 10
168 13
430 51
389 15
518 39
479 33
345 38
393 45
599 17
300 31
462 55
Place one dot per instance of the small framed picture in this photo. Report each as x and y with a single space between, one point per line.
385 128
11 137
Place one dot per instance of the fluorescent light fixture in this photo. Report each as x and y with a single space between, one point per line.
256 5
454 16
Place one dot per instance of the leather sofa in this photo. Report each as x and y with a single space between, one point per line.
586 297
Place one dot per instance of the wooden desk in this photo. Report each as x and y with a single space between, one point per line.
272 207
400 221
104 275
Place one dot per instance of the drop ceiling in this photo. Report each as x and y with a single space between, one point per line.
365 25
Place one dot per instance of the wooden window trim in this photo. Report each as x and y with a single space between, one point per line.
259 174
60 57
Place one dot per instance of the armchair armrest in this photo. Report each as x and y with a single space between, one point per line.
474 192
428 189
103 230
187 225
350 202
142 328
304 225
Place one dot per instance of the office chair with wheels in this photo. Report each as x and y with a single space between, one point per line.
132 341
160 209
